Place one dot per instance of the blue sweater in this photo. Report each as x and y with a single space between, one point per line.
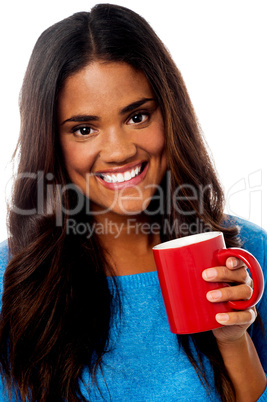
144 362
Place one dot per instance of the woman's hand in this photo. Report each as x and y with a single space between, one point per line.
236 322
236 347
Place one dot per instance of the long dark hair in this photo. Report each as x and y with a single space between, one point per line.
55 279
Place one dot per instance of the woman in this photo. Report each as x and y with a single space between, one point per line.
111 163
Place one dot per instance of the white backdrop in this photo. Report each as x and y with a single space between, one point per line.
220 48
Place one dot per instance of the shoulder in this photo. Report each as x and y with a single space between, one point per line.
253 238
251 235
4 258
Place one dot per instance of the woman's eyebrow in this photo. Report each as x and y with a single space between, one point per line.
135 105
126 109
81 118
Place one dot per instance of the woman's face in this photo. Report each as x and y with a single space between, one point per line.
112 136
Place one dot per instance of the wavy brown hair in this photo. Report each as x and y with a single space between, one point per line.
54 279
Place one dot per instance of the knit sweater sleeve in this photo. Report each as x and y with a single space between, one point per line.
254 240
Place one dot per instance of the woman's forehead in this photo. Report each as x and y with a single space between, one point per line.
103 85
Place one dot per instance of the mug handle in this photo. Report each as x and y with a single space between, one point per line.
256 273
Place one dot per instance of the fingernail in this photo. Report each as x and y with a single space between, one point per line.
214 295
233 263
222 317
210 273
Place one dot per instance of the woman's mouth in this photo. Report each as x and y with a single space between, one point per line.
130 176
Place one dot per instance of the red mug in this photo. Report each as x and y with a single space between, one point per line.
180 264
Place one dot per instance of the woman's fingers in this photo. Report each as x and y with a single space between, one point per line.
246 317
234 323
234 272
234 263
224 274
239 292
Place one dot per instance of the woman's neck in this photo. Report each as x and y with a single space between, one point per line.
128 241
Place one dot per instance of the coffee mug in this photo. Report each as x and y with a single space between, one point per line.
180 264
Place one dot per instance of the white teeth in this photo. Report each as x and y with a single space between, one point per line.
121 177
108 178
113 178
127 176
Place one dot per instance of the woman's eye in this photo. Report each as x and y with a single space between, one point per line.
138 118
83 131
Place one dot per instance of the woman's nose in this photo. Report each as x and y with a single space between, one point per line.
117 146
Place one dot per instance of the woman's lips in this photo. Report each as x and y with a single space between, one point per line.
123 178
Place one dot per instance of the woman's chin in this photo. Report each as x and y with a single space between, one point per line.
129 208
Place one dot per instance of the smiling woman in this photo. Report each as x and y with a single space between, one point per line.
114 150
112 162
